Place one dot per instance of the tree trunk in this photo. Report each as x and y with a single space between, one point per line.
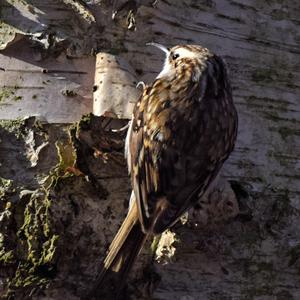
64 186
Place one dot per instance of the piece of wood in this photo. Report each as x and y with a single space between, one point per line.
54 89
115 91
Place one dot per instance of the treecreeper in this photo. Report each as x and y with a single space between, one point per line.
183 128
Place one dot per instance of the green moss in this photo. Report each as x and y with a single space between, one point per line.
285 132
14 126
9 94
276 73
275 118
6 93
82 124
32 251
272 116
36 233
269 103
20 127
66 162
264 270
7 34
81 10
265 75
5 186
26 276
17 98
66 155
283 159
154 244
279 14
6 258
41 244
49 248
36 239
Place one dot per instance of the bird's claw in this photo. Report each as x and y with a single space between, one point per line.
121 129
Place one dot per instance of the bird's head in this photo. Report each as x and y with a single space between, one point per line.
182 57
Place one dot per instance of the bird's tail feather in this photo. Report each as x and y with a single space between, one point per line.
121 256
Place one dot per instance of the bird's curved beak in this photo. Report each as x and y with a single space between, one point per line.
159 46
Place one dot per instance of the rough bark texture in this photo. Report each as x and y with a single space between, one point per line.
64 188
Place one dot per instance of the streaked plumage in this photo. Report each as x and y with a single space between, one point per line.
183 129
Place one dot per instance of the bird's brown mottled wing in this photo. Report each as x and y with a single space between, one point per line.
181 135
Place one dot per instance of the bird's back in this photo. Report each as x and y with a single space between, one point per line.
183 130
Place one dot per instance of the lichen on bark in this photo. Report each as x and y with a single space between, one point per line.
36 245
29 243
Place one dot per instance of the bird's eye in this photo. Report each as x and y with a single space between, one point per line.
175 56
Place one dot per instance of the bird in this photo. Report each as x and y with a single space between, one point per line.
183 128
